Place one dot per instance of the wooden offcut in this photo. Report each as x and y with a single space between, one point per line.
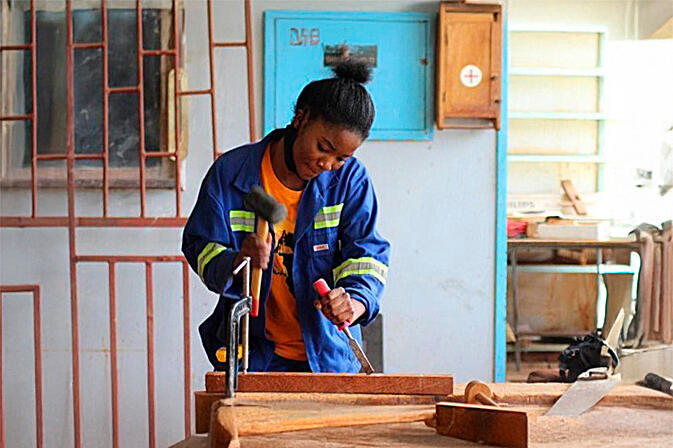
574 197
335 383
482 424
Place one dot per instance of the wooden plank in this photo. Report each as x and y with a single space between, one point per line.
263 418
275 421
335 383
667 283
203 401
619 290
546 394
483 424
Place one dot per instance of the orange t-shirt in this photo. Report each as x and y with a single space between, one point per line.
282 323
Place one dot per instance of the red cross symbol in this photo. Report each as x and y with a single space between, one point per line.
471 76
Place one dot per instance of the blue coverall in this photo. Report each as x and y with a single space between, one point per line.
335 239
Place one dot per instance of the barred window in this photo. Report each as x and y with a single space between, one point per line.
123 120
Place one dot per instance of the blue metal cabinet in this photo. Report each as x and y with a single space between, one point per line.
300 46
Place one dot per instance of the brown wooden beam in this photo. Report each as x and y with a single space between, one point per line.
336 383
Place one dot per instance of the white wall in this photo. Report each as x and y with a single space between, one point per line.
639 110
652 14
640 106
616 15
437 207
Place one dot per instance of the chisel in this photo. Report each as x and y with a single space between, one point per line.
320 286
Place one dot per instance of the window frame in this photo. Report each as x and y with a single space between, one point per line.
13 174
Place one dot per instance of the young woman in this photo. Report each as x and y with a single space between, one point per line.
330 232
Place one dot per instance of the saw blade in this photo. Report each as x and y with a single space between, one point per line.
583 395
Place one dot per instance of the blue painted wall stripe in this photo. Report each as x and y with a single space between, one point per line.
500 309
269 67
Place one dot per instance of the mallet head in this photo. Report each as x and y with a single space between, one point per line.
264 205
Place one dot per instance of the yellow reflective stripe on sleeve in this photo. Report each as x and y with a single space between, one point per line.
333 209
241 221
209 252
328 217
361 266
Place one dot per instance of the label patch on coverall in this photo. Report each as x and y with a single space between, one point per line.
320 247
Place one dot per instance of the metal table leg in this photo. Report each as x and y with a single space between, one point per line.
515 311
599 261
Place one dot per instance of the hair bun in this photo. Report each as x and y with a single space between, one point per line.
353 71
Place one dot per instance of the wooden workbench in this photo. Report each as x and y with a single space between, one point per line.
616 427
628 416
280 401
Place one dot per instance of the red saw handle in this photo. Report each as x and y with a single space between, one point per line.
320 286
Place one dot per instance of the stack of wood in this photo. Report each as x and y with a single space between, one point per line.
274 402
655 285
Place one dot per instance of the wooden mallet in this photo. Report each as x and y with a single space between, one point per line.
268 211
477 392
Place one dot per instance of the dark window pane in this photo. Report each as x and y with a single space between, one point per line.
122 47
123 149
88 74
86 25
51 94
152 29
88 80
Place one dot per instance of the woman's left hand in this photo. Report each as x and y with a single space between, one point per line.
338 307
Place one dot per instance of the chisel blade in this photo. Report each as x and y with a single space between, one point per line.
320 286
359 353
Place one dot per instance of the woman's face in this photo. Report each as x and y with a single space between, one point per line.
321 146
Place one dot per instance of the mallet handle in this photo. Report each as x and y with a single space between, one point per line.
485 399
262 234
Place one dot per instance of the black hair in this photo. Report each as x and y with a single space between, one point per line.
342 100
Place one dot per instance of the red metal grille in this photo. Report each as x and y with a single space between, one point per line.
35 220
72 221
37 342
112 261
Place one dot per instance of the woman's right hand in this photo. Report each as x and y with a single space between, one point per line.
259 251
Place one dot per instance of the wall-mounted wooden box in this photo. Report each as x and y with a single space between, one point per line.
469 57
